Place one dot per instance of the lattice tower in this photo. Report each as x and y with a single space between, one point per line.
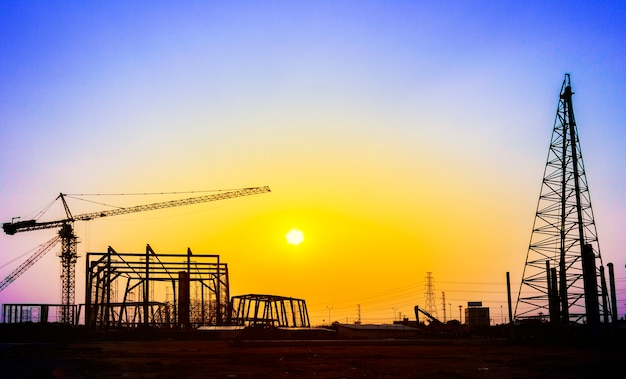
443 305
431 305
553 282
69 255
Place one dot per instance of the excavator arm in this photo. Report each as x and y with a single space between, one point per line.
430 317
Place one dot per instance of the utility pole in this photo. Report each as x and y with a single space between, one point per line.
329 319
460 319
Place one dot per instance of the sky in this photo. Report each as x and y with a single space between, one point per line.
405 139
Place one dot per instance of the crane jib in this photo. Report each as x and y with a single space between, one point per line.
11 228
173 203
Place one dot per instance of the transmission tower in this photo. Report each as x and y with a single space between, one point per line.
430 306
564 276
443 303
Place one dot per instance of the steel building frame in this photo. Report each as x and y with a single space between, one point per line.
130 290
269 311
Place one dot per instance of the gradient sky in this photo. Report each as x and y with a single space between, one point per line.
402 137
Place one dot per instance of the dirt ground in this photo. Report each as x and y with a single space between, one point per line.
306 359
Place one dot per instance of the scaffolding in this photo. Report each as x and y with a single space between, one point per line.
174 291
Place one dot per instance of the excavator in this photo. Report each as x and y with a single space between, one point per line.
431 318
68 239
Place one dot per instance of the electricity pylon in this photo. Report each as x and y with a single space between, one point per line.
563 279
431 306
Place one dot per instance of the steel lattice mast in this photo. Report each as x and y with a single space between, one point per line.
564 275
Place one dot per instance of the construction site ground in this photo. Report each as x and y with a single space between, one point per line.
416 358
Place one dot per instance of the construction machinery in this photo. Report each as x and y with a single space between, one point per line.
430 317
68 239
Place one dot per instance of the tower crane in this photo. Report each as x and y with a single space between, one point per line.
68 239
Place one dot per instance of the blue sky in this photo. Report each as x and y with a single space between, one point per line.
414 119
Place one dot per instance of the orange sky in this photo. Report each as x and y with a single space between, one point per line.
401 138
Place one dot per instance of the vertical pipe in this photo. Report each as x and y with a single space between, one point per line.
218 295
508 290
605 297
555 295
146 285
591 289
88 293
614 311
44 314
183 299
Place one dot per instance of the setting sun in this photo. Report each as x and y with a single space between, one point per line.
295 237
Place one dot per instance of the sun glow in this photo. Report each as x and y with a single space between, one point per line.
295 237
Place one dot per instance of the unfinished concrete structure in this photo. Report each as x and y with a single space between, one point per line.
131 290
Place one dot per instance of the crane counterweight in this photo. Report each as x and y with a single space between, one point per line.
11 228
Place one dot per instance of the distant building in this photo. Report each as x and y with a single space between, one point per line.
476 315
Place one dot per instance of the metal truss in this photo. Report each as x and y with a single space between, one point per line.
563 278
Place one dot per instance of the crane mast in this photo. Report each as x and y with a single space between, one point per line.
69 254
